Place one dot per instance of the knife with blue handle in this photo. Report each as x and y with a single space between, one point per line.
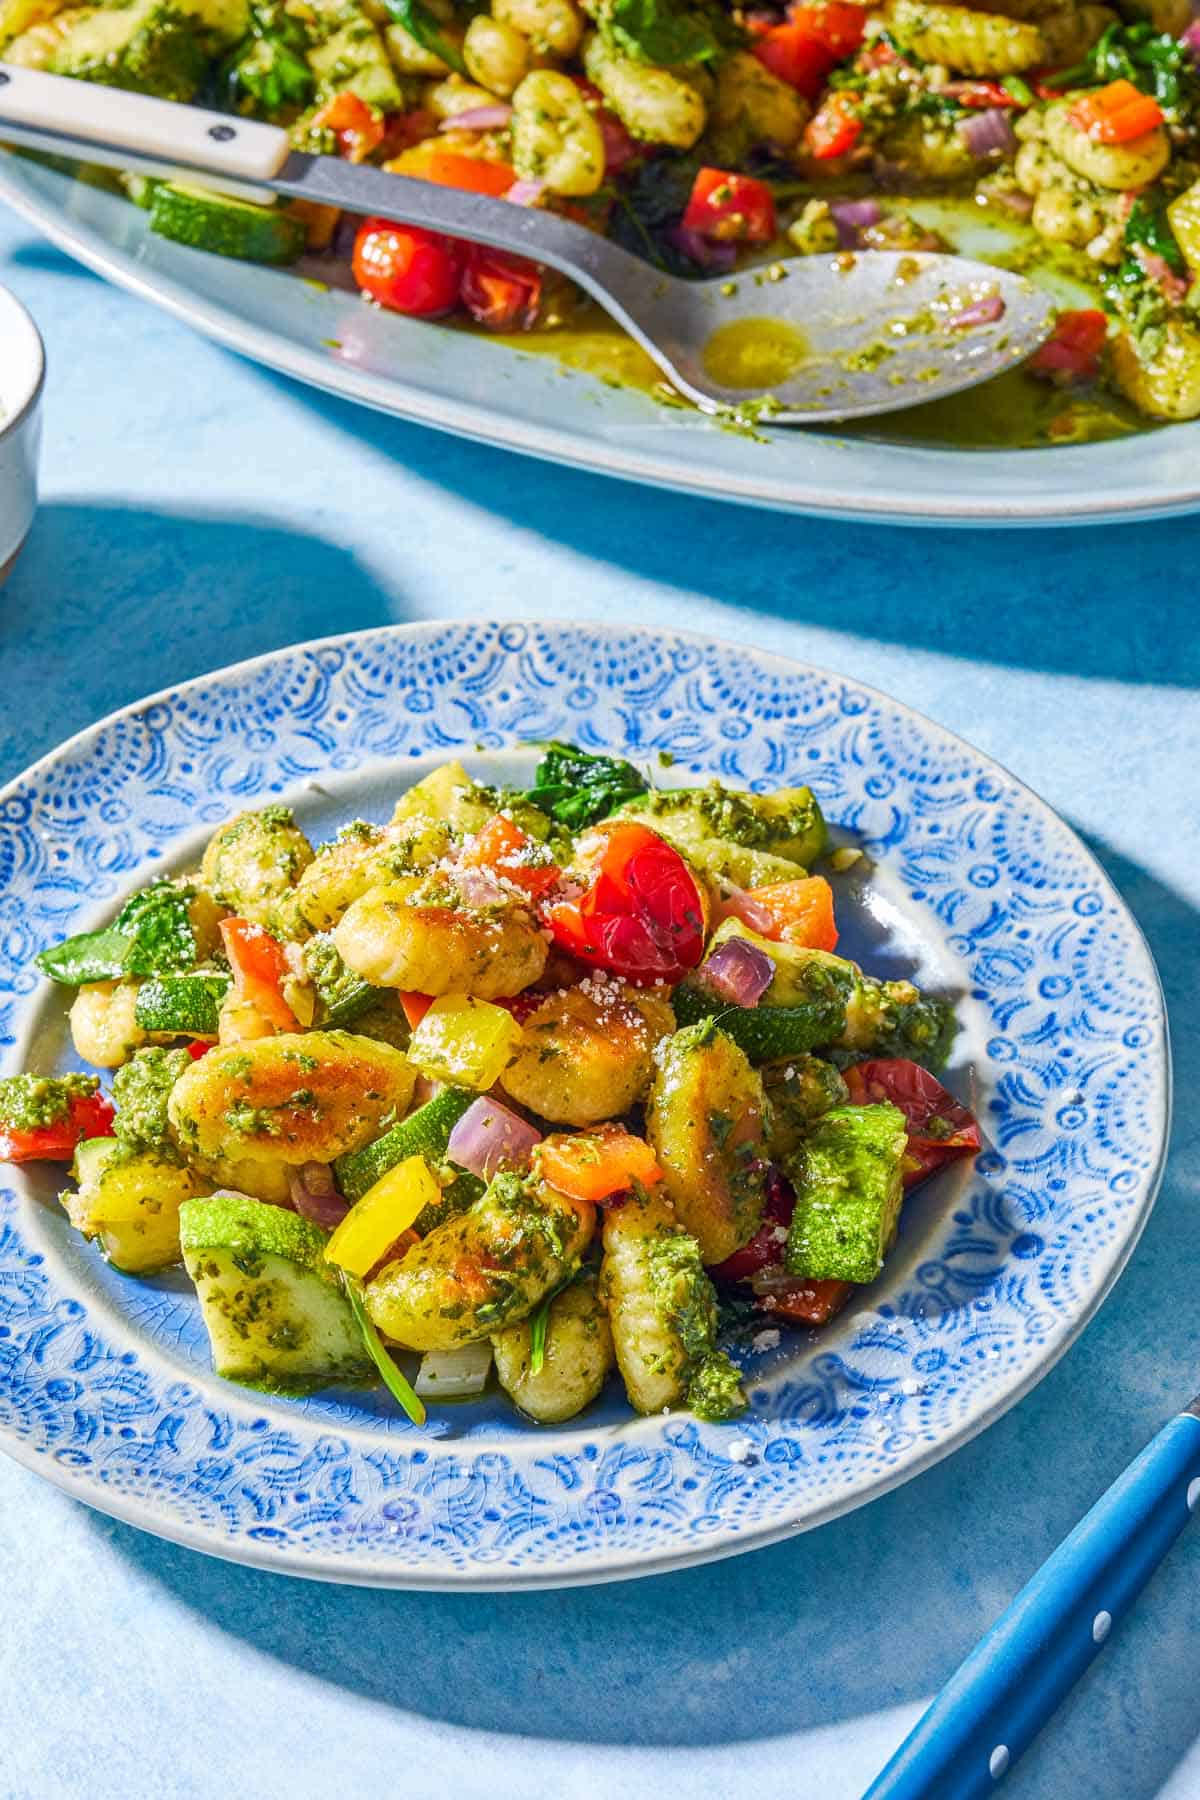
1015 1678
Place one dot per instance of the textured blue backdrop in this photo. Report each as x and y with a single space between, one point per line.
198 510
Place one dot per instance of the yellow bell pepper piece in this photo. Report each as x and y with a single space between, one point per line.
466 1041
385 1211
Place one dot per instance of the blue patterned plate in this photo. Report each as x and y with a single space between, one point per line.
104 1380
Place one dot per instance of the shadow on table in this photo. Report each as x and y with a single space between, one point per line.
870 1613
183 593
1010 598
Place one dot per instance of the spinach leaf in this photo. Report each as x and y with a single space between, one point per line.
661 32
1153 61
151 935
576 788
649 206
422 24
1149 225
269 67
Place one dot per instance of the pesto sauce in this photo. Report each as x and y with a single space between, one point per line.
30 1102
754 353
1014 411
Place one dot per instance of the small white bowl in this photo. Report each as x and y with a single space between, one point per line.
22 376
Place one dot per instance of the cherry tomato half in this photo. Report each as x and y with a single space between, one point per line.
642 917
502 293
835 129
939 1126
408 270
731 209
1072 351
805 1302
88 1116
835 24
767 1244
795 56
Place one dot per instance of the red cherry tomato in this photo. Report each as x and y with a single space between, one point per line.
408 270
87 1116
642 917
835 129
835 24
793 55
359 129
1072 351
501 292
730 208
766 1246
939 1127
807 1302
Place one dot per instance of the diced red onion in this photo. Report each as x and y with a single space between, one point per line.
740 972
425 1088
489 1137
981 312
988 133
851 216
710 253
1157 267
459 1374
526 193
314 1195
1190 39
1014 202
479 118
739 903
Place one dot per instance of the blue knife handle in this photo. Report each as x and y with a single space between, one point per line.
1015 1678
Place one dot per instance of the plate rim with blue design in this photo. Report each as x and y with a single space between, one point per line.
1065 1050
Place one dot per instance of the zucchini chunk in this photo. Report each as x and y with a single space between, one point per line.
276 1314
847 1178
181 1005
227 227
424 1133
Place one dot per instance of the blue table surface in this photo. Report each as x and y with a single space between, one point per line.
196 510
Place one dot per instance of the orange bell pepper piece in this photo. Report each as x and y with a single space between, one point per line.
595 1165
1116 114
802 910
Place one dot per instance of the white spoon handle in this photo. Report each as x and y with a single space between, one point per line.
241 148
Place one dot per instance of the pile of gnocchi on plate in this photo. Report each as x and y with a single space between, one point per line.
703 137
543 1081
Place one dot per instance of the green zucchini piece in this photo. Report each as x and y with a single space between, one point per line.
787 828
227 227
763 1032
847 1176
343 996
424 1133
276 1312
181 1005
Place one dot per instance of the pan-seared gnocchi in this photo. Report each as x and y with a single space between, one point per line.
294 1098
469 1086
252 864
483 1269
576 1355
663 1311
586 1052
708 1119
414 936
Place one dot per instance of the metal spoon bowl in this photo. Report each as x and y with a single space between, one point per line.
812 340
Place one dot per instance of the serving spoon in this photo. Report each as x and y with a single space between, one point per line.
806 341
